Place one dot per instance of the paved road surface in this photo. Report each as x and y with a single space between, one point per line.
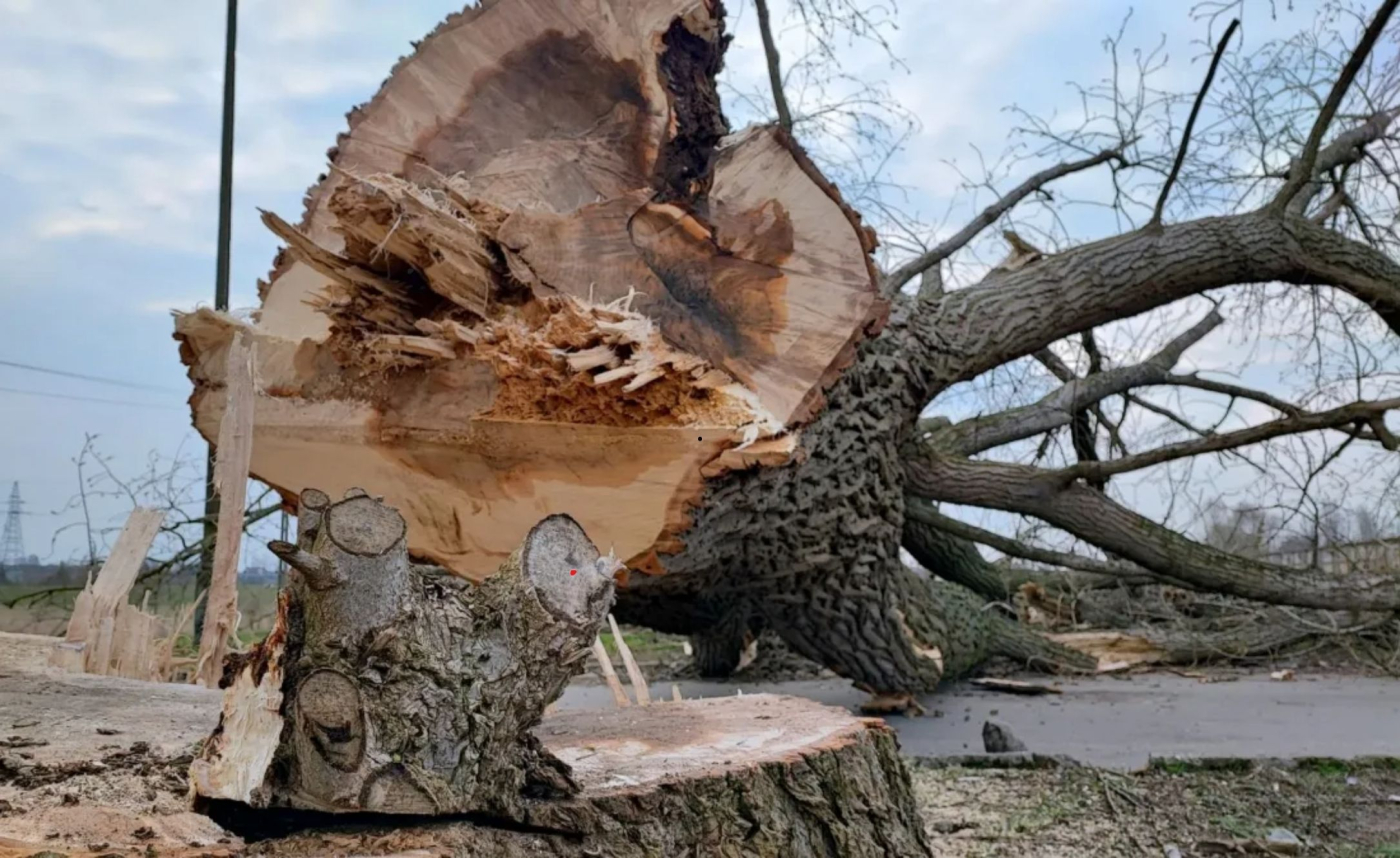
1121 722
1116 722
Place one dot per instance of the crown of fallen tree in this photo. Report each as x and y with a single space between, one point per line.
544 276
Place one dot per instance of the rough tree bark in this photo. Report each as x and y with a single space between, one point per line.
543 276
394 688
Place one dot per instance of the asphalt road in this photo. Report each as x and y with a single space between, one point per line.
1120 722
1108 721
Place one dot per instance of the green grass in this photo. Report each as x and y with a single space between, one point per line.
257 605
646 645
1327 766
1187 765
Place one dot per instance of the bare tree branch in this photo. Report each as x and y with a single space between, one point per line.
1302 170
1099 520
775 70
922 511
1156 220
896 279
1233 390
1051 361
1356 412
1057 408
970 331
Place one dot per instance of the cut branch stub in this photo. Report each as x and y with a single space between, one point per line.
399 689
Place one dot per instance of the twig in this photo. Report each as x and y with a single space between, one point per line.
1127 830
911 269
1191 123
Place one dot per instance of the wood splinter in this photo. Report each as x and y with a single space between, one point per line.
397 688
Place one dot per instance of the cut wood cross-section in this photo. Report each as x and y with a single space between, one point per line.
540 277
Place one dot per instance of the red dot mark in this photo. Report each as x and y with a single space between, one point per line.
573 571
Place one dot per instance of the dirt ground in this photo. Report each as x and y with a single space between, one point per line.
1348 810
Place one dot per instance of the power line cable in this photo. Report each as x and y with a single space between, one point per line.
84 377
48 395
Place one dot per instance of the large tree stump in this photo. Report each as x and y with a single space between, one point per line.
394 688
95 767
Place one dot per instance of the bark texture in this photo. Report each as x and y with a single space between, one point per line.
812 549
400 689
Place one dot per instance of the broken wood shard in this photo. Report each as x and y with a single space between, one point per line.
394 688
106 634
235 451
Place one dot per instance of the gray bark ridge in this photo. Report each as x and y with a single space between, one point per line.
408 690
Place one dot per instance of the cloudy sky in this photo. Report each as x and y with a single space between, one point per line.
109 132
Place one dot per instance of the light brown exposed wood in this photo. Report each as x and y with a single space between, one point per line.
119 571
1113 650
234 451
605 666
596 307
634 670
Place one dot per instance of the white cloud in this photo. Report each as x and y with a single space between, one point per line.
73 224
304 20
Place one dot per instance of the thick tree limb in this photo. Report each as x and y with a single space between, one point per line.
1302 170
973 330
1101 521
922 512
1293 425
1346 149
1058 407
988 216
1083 434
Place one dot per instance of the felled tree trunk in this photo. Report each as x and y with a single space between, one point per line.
393 688
544 277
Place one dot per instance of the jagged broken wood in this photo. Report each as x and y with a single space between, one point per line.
396 688
235 450
107 634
